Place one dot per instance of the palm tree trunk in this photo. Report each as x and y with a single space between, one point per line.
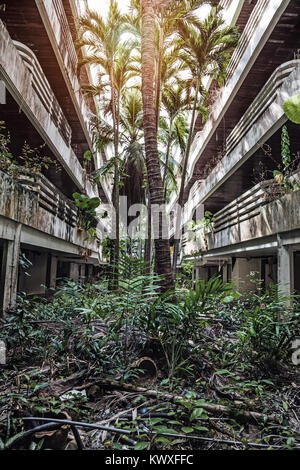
116 119
167 157
158 77
162 246
177 236
148 241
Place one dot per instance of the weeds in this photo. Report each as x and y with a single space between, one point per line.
209 344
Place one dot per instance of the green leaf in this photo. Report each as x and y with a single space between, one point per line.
117 446
187 430
87 155
141 445
164 440
196 413
156 420
164 430
291 108
201 428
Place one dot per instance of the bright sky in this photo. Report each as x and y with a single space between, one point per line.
102 5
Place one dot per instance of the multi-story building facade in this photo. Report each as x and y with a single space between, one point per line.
42 104
255 225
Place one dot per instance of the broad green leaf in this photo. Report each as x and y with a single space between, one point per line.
141 446
187 430
196 413
291 108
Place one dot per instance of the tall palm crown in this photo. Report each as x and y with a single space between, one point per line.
103 39
205 46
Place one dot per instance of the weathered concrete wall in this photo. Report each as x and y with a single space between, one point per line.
278 217
20 205
35 281
244 272
62 43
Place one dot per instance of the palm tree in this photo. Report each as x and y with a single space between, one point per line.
103 40
162 246
175 102
205 47
170 14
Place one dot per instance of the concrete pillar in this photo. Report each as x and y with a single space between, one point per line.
242 274
90 272
35 283
285 269
74 272
9 271
2 353
82 276
225 273
53 272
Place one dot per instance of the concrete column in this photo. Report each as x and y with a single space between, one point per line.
10 269
74 272
82 277
53 272
241 274
225 273
90 272
285 269
35 283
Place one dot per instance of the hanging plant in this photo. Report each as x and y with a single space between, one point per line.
87 212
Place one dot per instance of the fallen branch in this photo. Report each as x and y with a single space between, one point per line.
220 409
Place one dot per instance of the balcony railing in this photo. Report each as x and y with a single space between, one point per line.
225 3
43 89
49 197
66 41
263 100
246 206
246 36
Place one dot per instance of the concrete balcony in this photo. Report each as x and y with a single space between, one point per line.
56 23
48 218
261 103
20 71
261 23
252 222
262 119
44 91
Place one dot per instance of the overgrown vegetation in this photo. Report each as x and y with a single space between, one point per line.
218 358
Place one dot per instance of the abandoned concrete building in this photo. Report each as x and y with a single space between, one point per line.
252 228
42 105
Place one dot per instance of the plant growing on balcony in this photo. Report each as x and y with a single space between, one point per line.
30 158
199 230
291 108
87 212
284 177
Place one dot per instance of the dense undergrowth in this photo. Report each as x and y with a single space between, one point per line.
210 346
